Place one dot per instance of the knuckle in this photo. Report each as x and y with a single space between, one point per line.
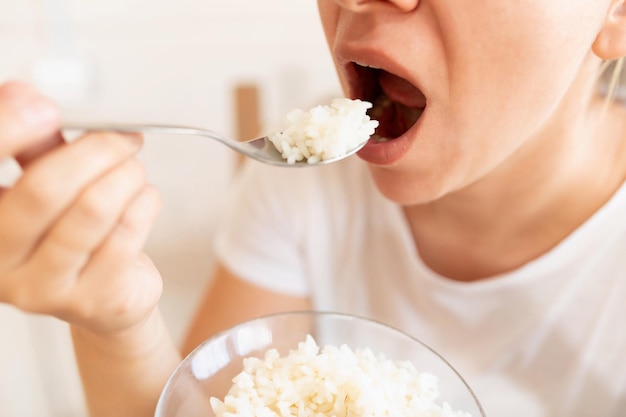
134 171
94 205
123 307
132 222
105 307
25 298
129 226
103 200
36 190
54 295
112 144
98 152
80 309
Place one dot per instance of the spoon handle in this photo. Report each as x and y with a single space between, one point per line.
146 128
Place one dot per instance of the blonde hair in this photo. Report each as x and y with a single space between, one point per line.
612 80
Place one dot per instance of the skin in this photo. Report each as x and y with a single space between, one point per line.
528 154
72 230
512 153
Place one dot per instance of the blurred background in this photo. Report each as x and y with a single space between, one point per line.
236 67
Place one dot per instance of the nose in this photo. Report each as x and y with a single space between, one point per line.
365 6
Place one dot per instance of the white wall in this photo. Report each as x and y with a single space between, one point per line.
167 62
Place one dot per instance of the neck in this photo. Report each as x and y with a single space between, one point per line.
529 204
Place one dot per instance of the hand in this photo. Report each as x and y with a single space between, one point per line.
73 226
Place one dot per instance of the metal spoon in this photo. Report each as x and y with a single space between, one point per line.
261 149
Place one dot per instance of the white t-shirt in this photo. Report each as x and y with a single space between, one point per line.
546 340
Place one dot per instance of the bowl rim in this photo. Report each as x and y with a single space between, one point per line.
326 313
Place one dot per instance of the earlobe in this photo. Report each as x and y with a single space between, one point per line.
610 43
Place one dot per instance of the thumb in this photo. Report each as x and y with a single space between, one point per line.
27 119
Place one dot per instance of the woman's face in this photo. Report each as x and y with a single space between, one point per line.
474 82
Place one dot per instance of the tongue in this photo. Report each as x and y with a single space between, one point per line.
394 118
401 91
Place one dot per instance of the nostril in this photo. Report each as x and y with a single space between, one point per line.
357 5
363 6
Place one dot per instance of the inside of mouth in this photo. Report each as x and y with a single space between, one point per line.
394 118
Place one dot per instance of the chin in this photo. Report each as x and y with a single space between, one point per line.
403 188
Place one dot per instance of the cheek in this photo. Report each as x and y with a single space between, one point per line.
329 16
506 69
528 62
505 44
329 12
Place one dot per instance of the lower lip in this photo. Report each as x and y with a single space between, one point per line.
389 152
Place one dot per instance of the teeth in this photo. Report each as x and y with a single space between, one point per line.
366 65
377 138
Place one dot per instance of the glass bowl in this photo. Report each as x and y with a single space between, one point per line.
208 370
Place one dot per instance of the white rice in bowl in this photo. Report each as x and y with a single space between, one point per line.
331 382
324 132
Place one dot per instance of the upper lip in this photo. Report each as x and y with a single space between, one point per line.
350 57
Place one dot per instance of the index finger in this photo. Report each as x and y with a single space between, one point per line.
27 119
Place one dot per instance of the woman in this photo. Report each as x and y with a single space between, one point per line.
485 217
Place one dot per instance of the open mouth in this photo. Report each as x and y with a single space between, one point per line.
397 104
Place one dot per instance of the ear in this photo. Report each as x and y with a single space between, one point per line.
610 43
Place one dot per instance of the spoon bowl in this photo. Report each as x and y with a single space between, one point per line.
261 149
